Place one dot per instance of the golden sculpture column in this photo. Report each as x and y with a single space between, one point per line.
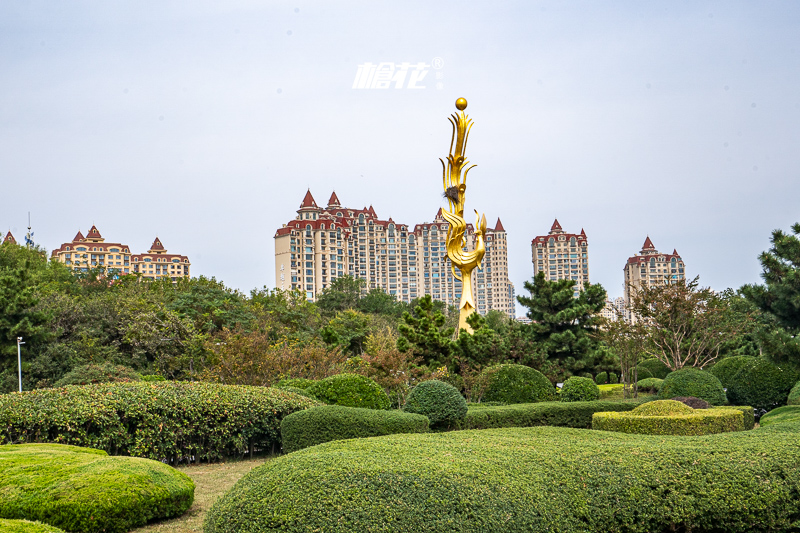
454 176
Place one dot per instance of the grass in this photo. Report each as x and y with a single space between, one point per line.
211 481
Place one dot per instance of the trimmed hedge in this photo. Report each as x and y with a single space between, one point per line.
649 384
350 390
613 378
696 422
298 383
762 384
166 421
440 402
511 384
525 480
794 395
334 422
560 414
693 382
601 378
726 368
577 389
691 401
24 526
84 490
788 414
662 408
300 392
104 373
653 368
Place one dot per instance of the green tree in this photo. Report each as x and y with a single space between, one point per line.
343 293
779 297
627 341
348 330
483 346
426 335
379 302
562 323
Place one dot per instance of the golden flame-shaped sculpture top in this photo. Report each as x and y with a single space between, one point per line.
454 177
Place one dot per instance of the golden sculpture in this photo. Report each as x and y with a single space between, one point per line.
454 176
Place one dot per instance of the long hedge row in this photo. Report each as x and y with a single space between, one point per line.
82 490
559 414
167 421
526 480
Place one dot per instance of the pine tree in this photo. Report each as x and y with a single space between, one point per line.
425 334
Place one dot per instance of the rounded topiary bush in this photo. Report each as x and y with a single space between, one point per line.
653 367
104 373
350 390
663 408
693 382
649 384
439 401
301 392
726 368
577 389
601 378
670 417
516 384
691 401
24 526
761 384
613 378
794 395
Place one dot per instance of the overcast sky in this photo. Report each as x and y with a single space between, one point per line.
203 123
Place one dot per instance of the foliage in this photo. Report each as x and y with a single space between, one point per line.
685 326
625 339
26 526
103 373
165 421
652 368
392 369
525 479
298 383
694 382
84 490
485 345
691 401
569 414
342 294
779 297
578 389
348 330
788 414
562 323
729 367
334 422
350 390
439 401
425 334
511 383
601 378
649 384
662 408
794 395
762 384
672 422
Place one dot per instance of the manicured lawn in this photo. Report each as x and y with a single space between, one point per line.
211 481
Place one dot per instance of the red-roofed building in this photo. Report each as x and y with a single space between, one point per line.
321 245
92 252
562 255
9 238
650 267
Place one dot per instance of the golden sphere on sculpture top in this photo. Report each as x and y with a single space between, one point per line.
461 104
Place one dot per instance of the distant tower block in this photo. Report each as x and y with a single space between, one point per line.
562 255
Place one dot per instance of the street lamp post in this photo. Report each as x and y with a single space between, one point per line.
19 361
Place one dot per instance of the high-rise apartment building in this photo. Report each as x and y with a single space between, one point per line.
614 309
651 267
562 255
322 244
91 251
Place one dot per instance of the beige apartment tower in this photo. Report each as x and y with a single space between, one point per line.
324 243
650 267
562 255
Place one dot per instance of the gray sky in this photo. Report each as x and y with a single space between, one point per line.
205 122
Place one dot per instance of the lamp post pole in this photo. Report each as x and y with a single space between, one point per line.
19 361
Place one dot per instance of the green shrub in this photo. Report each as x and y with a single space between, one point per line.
794 395
525 479
613 378
762 384
642 373
516 384
298 383
24 526
85 490
695 422
577 389
649 384
455 380
662 408
301 392
334 422
440 402
104 373
691 401
166 421
788 414
350 390
654 367
726 368
153 377
561 414
601 378
693 382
